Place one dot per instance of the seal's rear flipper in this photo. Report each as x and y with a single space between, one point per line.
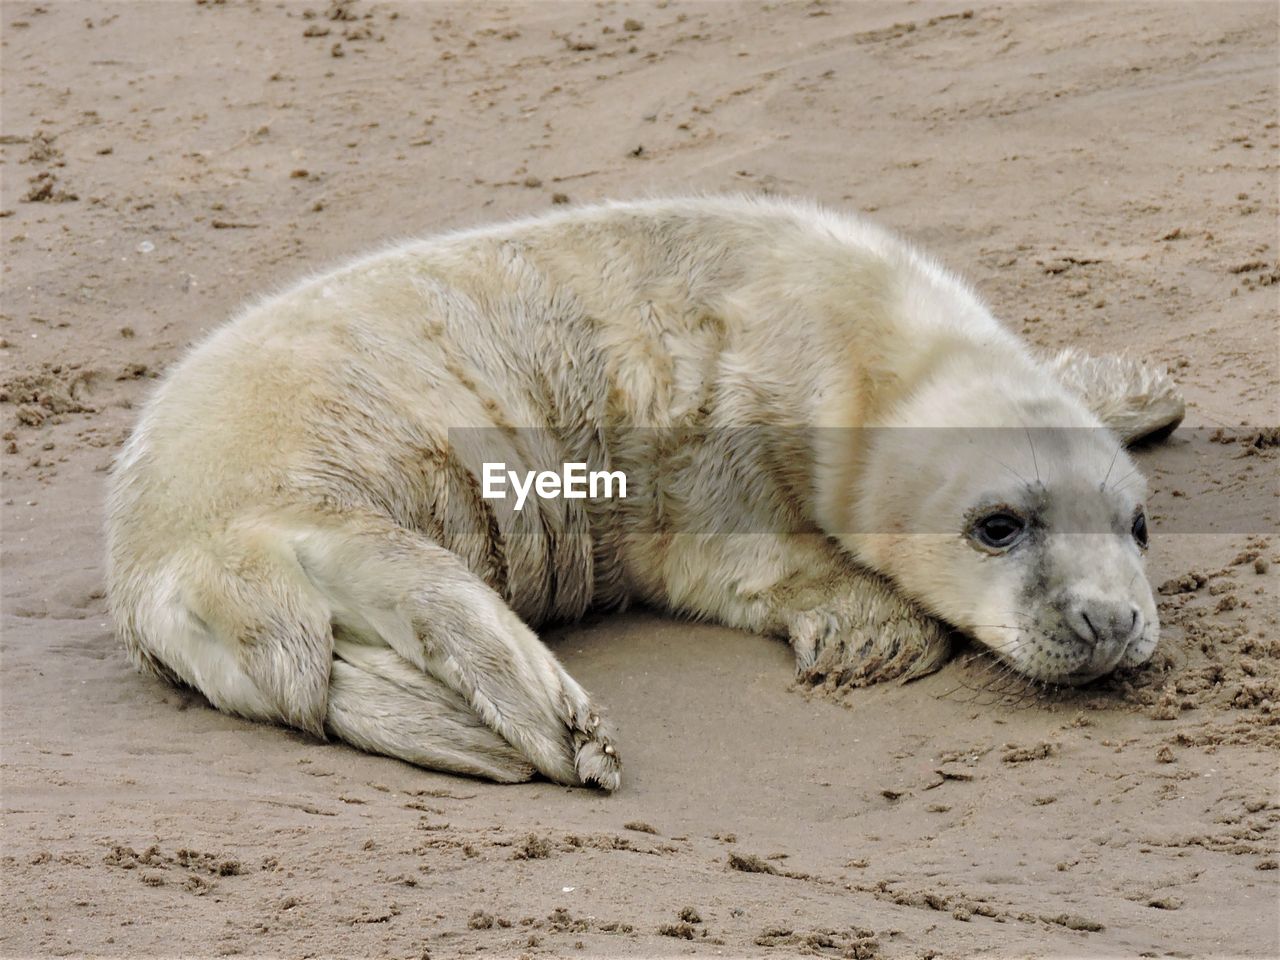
381 703
1135 399
350 626
396 590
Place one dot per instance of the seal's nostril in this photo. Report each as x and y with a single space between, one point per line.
1093 631
1137 623
1102 623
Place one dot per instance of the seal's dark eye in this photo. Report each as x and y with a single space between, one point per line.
1140 529
999 530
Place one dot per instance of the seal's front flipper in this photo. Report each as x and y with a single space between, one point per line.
1135 399
868 634
847 625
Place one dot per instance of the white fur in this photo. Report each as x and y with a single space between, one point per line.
304 482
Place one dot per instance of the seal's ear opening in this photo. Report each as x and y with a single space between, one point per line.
1138 401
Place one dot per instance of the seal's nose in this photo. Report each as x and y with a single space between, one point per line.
1104 623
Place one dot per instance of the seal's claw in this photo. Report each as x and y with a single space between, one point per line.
595 757
598 765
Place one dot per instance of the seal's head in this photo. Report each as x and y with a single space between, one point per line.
1009 511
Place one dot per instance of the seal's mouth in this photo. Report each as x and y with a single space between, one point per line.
1094 664
1063 661
1079 678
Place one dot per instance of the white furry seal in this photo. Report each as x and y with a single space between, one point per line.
295 528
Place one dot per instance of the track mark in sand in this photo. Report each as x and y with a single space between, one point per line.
897 30
533 847
195 870
1073 922
384 916
749 863
1013 753
858 943
304 807
436 794
559 921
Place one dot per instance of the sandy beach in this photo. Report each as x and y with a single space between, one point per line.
1104 173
